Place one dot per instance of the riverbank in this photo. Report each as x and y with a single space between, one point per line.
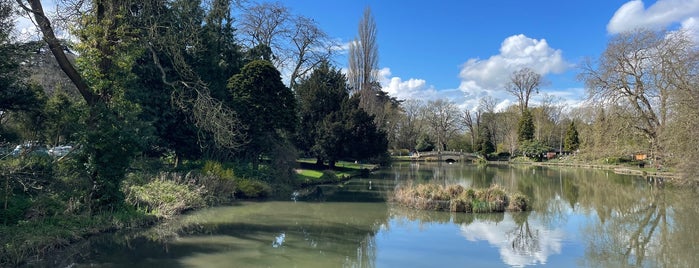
152 199
666 176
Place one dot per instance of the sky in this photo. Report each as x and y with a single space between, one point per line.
463 51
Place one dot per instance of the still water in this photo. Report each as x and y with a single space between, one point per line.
580 217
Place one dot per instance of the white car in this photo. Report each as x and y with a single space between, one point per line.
60 150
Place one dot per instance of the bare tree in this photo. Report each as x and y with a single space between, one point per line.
472 121
443 119
637 71
364 61
267 24
522 84
408 125
311 46
297 43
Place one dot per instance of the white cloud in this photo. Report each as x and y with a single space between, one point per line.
488 77
660 14
412 88
481 78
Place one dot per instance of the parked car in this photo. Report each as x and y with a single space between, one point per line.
59 151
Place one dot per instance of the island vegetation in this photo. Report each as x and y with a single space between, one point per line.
149 109
456 198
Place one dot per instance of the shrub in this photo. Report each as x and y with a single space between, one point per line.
253 188
216 190
216 169
328 176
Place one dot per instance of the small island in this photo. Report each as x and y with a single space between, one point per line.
456 198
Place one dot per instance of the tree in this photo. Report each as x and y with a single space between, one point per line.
522 84
320 96
472 122
294 43
442 117
311 48
484 144
265 105
267 24
408 127
572 142
108 47
525 132
638 71
364 61
363 139
332 126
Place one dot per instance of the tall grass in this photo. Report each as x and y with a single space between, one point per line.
456 198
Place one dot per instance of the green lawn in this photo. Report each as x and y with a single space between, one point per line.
308 172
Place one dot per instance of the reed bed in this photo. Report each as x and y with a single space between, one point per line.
456 198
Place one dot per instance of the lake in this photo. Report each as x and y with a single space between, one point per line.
579 217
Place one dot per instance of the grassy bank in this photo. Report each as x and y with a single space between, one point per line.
308 173
55 212
456 198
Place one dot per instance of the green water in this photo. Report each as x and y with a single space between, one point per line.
584 218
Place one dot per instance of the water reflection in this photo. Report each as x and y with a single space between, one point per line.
519 242
580 217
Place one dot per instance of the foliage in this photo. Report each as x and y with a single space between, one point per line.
333 127
424 143
484 144
320 95
265 105
525 131
249 188
572 142
535 149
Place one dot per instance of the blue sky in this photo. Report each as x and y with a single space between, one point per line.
465 50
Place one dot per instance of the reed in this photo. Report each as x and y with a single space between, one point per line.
456 198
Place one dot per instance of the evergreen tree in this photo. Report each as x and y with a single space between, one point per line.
484 144
265 105
320 95
525 131
572 142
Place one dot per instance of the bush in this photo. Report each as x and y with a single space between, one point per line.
216 169
328 176
253 189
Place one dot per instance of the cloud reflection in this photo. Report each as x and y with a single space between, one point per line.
520 243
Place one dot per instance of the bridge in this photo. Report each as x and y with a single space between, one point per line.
448 156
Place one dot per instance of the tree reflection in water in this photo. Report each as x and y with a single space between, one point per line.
650 227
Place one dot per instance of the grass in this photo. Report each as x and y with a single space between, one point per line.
309 173
456 198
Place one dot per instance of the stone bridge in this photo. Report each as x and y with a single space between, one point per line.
448 156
